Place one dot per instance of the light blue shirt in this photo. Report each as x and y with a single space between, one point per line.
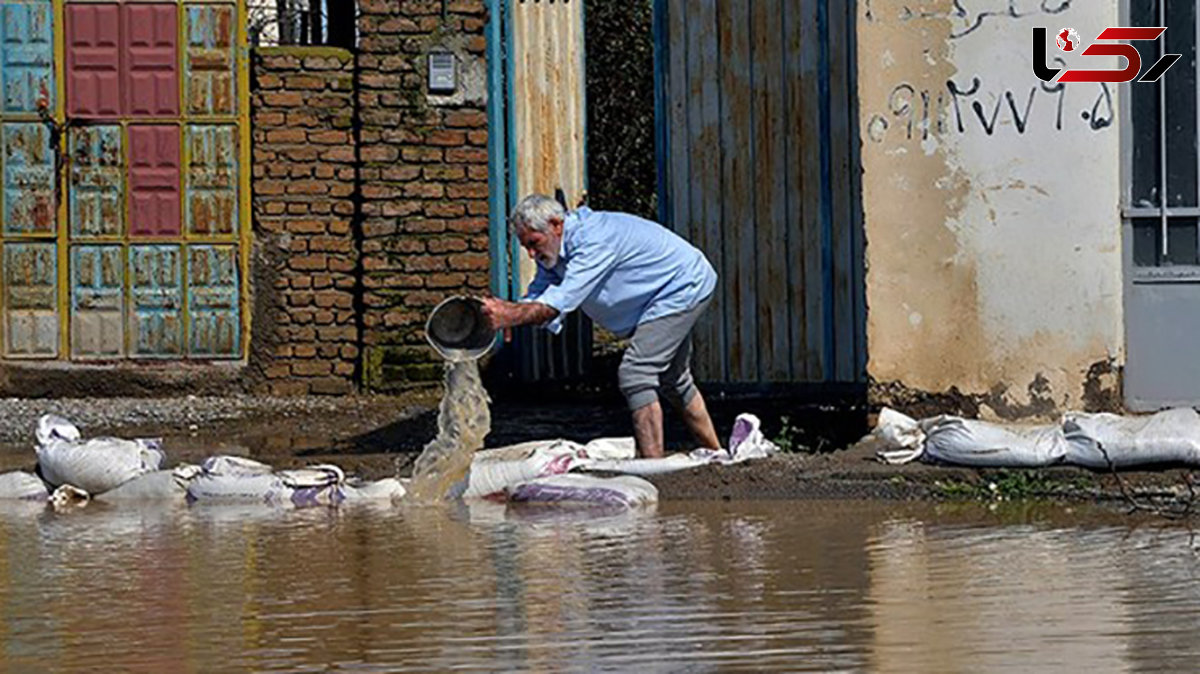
623 271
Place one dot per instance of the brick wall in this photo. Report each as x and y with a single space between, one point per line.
424 178
306 338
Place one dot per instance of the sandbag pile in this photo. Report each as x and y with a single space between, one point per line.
72 470
1095 441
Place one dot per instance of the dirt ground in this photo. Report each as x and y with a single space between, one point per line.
377 436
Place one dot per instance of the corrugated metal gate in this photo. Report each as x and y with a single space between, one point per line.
126 196
758 168
537 121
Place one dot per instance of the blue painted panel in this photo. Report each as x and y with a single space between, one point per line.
30 300
208 59
156 291
28 55
28 180
212 172
213 311
97 302
97 181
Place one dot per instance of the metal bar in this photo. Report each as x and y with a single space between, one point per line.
60 55
858 277
497 165
1196 116
241 73
827 369
662 148
514 247
1162 143
1177 212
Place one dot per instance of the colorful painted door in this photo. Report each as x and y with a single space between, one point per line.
125 235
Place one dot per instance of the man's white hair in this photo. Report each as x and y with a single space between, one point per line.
534 213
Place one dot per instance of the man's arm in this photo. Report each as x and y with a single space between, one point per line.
503 314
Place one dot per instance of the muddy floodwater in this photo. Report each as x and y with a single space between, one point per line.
691 586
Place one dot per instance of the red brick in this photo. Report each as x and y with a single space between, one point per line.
341 264
306 226
466 118
445 280
328 137
422 226
339 154
312 368
467 190
424 263
424 154
329 298
308 187
446 137
469 261
308 262
444 209
379 153
443 172
466 155
426 190
301 118
288 99
468 225
401 208
447 245
402 173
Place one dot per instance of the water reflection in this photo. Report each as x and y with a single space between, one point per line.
815 586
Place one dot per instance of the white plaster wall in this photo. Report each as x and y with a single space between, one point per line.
992 216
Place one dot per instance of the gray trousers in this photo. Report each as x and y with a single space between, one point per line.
658 358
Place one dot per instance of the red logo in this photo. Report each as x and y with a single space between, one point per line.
1110 42
1067 39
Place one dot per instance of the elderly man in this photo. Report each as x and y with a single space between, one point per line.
634 277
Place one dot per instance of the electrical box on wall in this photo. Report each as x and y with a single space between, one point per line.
443 72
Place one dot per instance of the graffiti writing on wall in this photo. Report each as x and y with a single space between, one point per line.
965 16
968 107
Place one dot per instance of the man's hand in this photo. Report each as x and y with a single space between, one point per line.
502 314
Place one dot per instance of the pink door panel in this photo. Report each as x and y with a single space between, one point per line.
154 202
150 72
93 60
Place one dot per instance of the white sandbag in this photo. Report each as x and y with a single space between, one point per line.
224 464
23 486
237 480
1171 436
491 477
624 490
387 489
95 465
901 437
160 485
611 448
747 441
968 442
524 450
667 464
